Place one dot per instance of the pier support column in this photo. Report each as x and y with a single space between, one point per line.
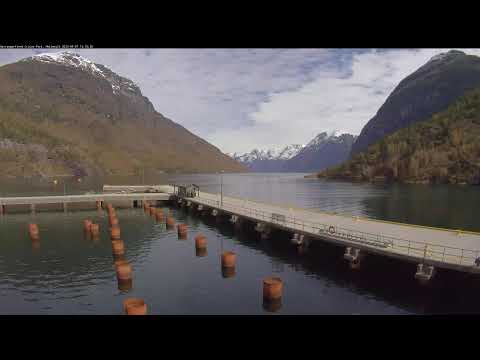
200 207
2 209
424 273
65 207
264 230
218 215
237 222
299 239
353 256
182 203
301 242
32 208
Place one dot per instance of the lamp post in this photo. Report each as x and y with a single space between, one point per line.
221 188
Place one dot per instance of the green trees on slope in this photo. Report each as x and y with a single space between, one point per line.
442 149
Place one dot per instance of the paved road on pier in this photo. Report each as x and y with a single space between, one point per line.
440 247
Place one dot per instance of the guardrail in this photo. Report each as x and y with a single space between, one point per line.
421 250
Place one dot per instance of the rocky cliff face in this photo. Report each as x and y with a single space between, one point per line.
87 119
430 89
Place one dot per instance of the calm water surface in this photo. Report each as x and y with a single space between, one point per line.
71 274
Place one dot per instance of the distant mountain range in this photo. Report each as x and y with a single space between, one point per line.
321 152
267 160
63 114
427 131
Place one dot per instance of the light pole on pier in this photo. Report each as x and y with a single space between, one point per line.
221 188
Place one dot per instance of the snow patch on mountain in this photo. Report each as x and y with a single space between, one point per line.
326 138
290 151
284 153
67 58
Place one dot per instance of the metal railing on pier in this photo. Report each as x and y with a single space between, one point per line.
420 250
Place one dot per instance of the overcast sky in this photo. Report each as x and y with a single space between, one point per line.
240 99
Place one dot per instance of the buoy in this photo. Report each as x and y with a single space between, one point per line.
272 288
124 285
115 232
200 241
118 247
135 306
159 215
94 229
119 261
118 257
124 270
33 231
170 222
272 305
229 259
201 252
182 231
182 228
35 244
228 272
113 220
87 224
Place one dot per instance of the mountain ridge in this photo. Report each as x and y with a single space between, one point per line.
90 120
426 91
322 151
442 149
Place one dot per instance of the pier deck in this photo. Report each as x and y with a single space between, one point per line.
439 247
62 199
443 248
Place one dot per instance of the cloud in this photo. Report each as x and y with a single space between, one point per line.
239 99
343 99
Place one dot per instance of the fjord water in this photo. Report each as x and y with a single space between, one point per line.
69 273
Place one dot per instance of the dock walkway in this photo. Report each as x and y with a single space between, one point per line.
444 248
452 249
27 200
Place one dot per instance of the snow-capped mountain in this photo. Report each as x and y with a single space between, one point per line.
285 153
267 160
323 150
68 115
74 60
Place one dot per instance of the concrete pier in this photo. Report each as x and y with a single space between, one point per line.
439 248
74 202
429 248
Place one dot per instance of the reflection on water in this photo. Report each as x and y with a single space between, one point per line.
67 272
